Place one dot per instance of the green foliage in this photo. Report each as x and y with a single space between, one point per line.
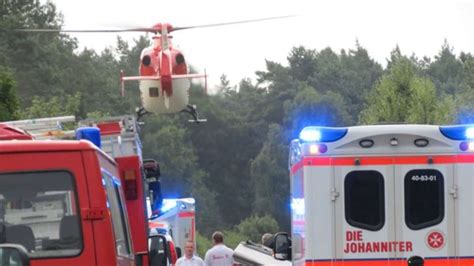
97 115
255 226
9 106
224 88
54 106
207 217
401 95
203 244
312 108
39 61
232 238
446 71
465 101
269 177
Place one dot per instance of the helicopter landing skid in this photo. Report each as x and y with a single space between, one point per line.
191 109
141 112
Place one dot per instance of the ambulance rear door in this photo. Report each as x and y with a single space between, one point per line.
364 213
425 207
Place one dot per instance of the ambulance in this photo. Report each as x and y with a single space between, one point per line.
177 219
381 195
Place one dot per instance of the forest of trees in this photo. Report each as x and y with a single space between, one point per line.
235 165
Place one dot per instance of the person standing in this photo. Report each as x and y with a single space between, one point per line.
267 240
219 254
189 259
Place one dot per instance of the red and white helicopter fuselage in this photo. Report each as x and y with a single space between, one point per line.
164 78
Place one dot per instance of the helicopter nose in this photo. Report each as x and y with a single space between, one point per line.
146 60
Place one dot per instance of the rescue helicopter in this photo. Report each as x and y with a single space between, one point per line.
164 77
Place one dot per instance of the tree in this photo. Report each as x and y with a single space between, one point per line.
465 101
311 108
446 71
403 96
40 62
168 142
255 226
302 63
269 177
9 105
55 106
224 88
208 215
359 74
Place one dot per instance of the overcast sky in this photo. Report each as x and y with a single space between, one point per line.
417 26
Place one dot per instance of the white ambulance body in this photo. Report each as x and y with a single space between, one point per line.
177 219
378 195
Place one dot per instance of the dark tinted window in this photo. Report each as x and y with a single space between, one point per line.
364 199
424 198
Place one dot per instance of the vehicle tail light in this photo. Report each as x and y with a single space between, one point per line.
130 186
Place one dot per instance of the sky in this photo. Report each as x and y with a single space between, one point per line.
416 26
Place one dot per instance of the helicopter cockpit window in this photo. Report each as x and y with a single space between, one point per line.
38 210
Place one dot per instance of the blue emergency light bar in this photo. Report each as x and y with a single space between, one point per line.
322 134
459 132
168 204
91 134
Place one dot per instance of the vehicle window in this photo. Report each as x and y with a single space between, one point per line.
119 217
365 200
424 198
39 211
157 251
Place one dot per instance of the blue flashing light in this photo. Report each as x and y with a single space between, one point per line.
297 206
162 231
168 204
91 134
322 134
459 132
470 133
310 134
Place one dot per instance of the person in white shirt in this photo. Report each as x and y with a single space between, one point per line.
219 254
189 259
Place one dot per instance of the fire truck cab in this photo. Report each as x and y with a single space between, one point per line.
69 202
381 195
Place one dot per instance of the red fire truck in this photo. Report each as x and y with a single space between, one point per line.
69 202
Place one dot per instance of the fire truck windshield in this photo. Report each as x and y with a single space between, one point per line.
38 210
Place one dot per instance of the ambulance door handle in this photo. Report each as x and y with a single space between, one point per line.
334 194
454 192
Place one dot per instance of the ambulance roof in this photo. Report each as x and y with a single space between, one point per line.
386 139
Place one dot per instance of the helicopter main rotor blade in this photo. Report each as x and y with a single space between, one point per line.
230 23
89 31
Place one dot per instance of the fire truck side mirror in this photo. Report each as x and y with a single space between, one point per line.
152 169
157 251
282 246
14 254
